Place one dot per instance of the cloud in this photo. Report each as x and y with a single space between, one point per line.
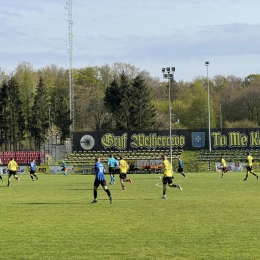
222 40
218 40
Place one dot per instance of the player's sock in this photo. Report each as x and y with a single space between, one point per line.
31 177
108 192
95 194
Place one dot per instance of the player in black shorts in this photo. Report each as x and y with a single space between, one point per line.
12 166
100 180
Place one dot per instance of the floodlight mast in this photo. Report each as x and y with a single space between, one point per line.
168 73
207 65
70 52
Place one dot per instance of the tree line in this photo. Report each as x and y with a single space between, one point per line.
34 104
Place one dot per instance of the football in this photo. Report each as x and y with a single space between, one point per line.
159 177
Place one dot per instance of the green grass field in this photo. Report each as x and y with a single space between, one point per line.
53 218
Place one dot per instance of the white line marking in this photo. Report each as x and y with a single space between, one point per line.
157 184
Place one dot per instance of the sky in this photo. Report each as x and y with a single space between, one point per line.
149 34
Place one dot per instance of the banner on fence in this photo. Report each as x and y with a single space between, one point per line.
233 167
237 138
57 169
83 169
20 170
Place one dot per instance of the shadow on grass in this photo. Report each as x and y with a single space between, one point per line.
49 203
80 189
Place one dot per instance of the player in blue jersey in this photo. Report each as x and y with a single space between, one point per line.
100 179
180 167
112 165
32 168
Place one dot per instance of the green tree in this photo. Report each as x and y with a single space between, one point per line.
129 102
86 81
27 80
3 111
40 112
13 115
142 110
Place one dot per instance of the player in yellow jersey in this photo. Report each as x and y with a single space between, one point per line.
223 166
123 167
167 176
249 167
12 167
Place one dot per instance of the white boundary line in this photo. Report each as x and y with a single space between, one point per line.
157 184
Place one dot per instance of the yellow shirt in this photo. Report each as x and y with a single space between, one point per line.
223 163
123 166
250 160
12 165
167 168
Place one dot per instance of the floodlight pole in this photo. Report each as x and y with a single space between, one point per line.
207 65
168 73
220 111
71 85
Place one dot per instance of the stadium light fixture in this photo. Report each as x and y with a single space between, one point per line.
170 76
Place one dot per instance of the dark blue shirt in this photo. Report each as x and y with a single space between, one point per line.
100 171
32 165
180 164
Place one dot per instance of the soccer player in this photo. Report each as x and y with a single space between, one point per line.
33 168
180 167
123 166
167 176
249 167
112 165
100 179
12 167
223 166
63 166
1 170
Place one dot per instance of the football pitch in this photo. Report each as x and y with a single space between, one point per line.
53 218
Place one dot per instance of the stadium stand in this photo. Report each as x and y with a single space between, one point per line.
88 157
21 157
233 155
